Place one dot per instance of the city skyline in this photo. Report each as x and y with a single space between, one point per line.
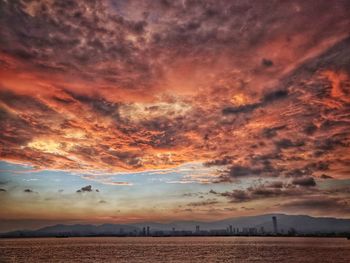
263 226
133 111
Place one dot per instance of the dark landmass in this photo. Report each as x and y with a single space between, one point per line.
262 225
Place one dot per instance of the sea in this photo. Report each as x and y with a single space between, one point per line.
176 249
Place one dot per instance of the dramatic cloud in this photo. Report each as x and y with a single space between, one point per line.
247 89
113 90
87 188
324 176
297 187
305 181
207 202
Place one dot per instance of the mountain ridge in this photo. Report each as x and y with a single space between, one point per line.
301 223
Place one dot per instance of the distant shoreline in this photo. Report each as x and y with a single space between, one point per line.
114 236
269 225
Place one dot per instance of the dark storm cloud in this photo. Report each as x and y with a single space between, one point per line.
207 202
269 97
213 192
308 169
310 129
239 171
237 196
325 176
304 188
274 95
87 188
276 184
3 190
257 166
312 140
298 172
33 107
267 62
241 109
304 181
335 58
274 189
164 131
219 162
99 105
27 126
319 166
73 38
234 173
330 144
272 132
28 190
287 143
266 192
221 22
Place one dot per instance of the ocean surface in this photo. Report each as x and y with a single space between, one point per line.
175 249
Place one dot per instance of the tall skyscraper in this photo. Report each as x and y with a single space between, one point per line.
274 221
148 232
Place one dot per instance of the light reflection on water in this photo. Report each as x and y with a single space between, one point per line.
176 249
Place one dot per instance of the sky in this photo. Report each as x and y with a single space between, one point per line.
128 111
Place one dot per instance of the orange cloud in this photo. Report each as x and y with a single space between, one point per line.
143 95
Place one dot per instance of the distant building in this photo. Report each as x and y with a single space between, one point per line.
231 231
253 231
245 230
262 230
144 231
148 231
292 232
197 229
274 221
